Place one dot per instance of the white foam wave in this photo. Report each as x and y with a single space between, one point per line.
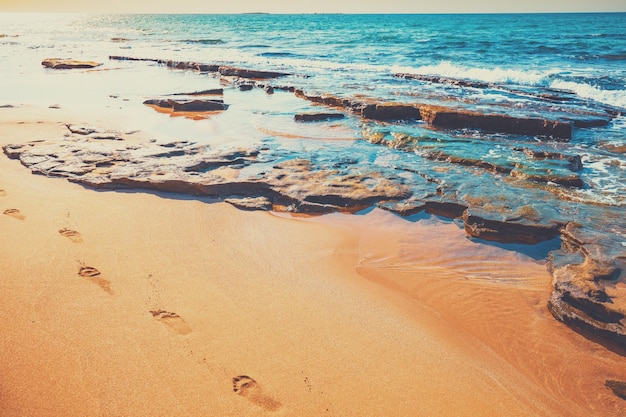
611 97
490 75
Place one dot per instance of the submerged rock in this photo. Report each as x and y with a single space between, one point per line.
249 73
497 227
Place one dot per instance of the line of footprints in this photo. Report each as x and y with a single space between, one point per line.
172 320
243 385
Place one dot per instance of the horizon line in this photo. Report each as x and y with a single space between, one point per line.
305 13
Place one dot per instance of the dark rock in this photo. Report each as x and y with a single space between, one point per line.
327 100
587 295
618 388
248 73
246 87
188 105
317 117
205 67
163 103
58 63
591 122
447 117
578 302
211 92
450 118
198 105
269 89
390 111
449 209
496 227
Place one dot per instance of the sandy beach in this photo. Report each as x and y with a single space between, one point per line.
143 304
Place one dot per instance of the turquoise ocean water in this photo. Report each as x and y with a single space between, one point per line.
557 66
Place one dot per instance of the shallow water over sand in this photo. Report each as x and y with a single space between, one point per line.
494 297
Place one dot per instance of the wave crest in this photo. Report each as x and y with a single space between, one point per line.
615 98
495 75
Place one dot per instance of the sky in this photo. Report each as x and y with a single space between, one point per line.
316 6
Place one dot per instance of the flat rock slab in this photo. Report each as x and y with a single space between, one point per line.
188 105
58 63
529 230
249 73
188 168
447 117
318 117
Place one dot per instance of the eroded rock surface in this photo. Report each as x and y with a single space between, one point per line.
189 168
588 278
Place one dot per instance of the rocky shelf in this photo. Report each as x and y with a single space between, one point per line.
588 272
454 116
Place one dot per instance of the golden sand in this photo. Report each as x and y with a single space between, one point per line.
136 304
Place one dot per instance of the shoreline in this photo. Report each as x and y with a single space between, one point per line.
192 308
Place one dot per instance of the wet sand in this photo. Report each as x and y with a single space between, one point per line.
136 304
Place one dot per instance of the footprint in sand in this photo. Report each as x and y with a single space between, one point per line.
94 276
2 193
249 388
172 320
72 235
15 213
